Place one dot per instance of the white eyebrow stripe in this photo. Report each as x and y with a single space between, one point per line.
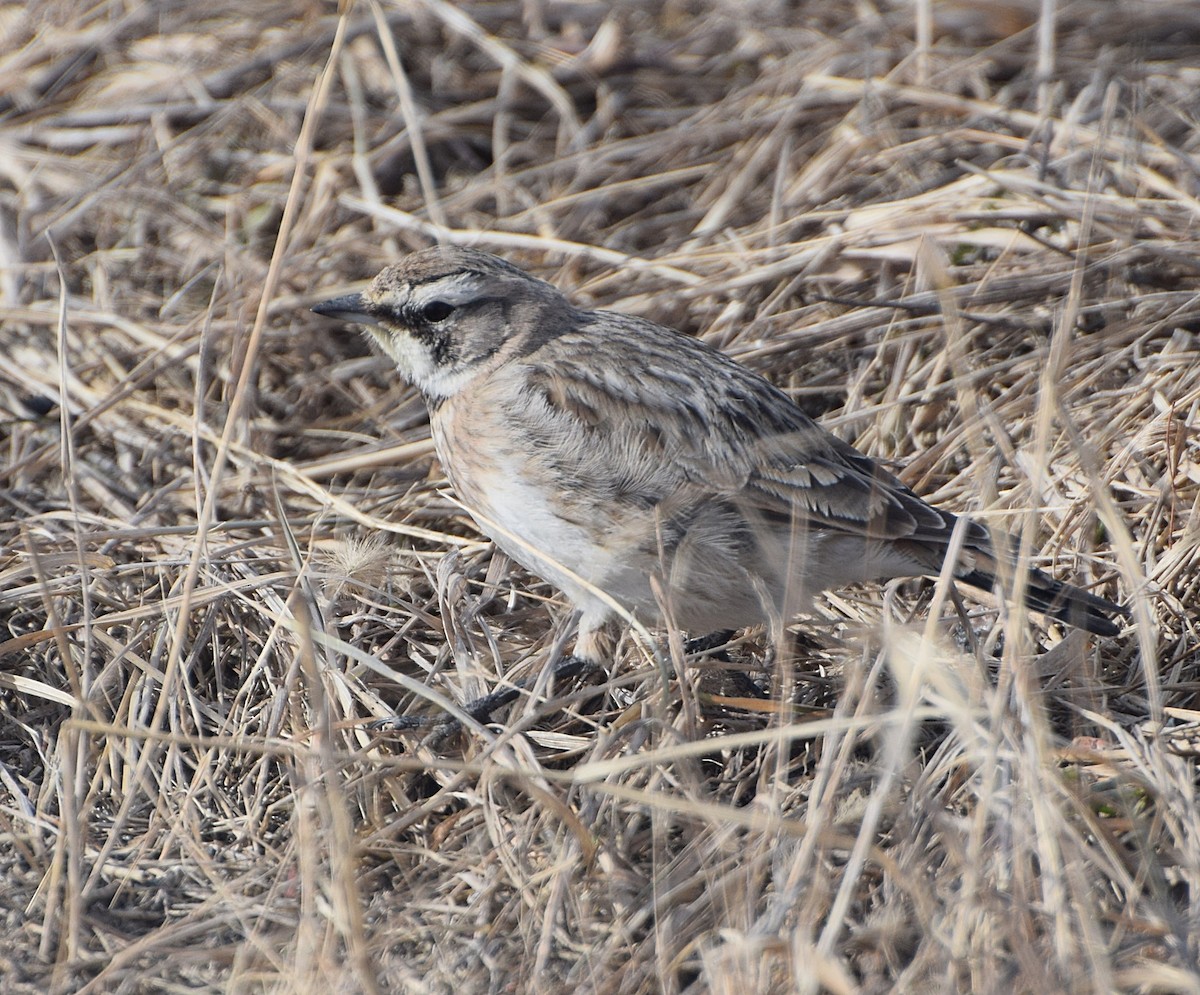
455 289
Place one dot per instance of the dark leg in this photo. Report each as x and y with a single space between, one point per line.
725 683
568 668
481 708
702 644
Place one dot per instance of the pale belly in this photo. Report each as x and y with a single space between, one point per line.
522 517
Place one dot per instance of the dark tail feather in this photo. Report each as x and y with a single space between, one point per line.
1064 602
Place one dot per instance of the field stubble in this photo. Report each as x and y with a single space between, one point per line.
963 237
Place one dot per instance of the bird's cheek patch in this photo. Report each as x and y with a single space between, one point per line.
411 355
438 345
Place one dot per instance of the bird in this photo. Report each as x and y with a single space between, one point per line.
640 470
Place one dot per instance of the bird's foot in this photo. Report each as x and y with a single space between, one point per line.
481 709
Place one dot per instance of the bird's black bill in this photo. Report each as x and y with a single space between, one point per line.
351 307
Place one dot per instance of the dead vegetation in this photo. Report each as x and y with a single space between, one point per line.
965 236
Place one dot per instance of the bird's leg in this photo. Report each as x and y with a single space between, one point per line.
733 682
481 709
714 640
592 640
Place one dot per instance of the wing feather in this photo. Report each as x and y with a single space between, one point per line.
694 420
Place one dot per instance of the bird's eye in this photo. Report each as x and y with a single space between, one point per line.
437 311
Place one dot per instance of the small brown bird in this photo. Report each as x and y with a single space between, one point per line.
601 451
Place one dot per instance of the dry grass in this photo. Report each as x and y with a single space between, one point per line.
964 236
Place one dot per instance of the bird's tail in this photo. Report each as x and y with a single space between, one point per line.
1065 602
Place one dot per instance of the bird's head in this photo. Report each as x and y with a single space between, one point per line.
446 315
